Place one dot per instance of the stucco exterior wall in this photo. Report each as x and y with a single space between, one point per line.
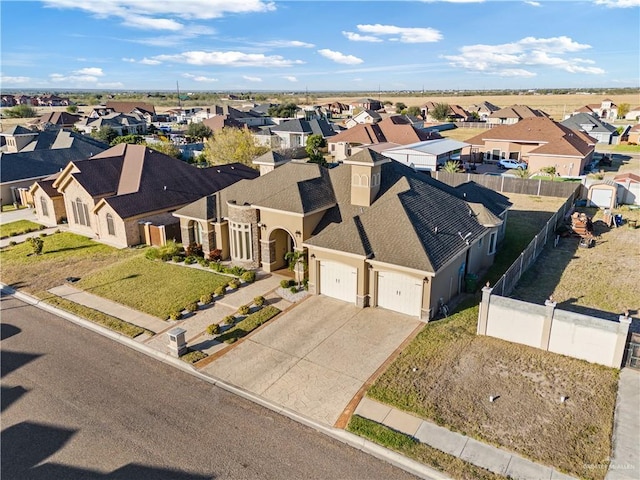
564 165
72 191
55 208
6 195
247 215
447 283
315 256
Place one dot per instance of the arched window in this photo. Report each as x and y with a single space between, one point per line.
195 232
356 180
365 180
80 212
44 207
241 244
111 229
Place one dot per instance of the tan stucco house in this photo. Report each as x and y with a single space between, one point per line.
375 232
124 195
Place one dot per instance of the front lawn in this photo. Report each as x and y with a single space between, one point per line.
457 371
151 286
18 228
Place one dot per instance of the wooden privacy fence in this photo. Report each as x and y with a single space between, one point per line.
508 281
527 186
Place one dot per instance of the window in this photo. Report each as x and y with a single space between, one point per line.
80 213
195 232
514 155
496 154
111 229
356 180
44 207
365 180
241 244
492 244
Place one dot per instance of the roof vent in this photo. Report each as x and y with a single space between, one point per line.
435 230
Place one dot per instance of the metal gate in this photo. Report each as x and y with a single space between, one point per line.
632 354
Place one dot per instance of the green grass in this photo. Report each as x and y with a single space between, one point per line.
18 227
555 178
627 148
95 316
193 356
151 286
415 450
11 208
250 323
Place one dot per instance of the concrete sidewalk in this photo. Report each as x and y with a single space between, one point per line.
625 461
4 242
111 308
481 454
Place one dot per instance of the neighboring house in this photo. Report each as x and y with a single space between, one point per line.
56 120
123 124
144 110
455 113
366 104
376 233
51 101
606 110
8 101
592 125
428 155
294 133
629 191
395 130
17 137
336 108
633 114
513 114
483 109
538 141
365 116
48 153
118 195
633 135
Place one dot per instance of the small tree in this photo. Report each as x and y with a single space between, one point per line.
522 172
440 112
475 116
314 144
132 139
105 134
167 148
297 264
198 131
285 110
414 111
231 145
451 167
400 107
623 109
72 108
37 244
20 111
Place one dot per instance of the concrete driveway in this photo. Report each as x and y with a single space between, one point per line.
315 358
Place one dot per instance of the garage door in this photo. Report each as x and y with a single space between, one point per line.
339 281
400 293
601 197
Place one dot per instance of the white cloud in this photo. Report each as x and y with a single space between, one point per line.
127 59
618 3
111 85
356 37
340 57
252 79
148 23
149 61
533 4
406 34
287 43
230 58
503 59
6 80
74 79
199 78
291 78
91 71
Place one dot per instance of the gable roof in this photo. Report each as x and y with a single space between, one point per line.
311 127
392 129
577 122
623 177
17 130
484 106
555 139
517 111
128 107
58 118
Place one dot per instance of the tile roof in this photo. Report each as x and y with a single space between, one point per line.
555 138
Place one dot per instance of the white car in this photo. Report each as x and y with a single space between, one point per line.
509 164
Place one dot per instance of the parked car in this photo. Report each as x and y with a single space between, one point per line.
509 164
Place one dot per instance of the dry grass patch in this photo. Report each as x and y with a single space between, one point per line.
463 134
600 281
457 371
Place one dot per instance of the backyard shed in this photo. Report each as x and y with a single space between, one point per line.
603 194
427 155
629 191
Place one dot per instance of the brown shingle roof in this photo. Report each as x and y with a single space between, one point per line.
517 111
386 130
128 107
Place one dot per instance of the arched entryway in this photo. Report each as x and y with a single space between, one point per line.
282 242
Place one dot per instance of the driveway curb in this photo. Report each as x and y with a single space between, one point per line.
359 443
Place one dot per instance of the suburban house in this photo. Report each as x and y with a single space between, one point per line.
366 104
633 114
375 233
124 196
17 137
56 120
336 108
513 114
365 116
606 110
144 110
455 113
392 131
294 133
483 109
51 100
596 128
538 141
427 155
633 135
217 115
122 123
47 153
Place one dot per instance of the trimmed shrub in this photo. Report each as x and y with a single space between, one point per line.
293 289
193 250
229 320
175 316
213 329
237 271
305 284
193 356
42 227
42 235
244 310
57 231
216 266
285 283
177 258
151 254
169 250
248 324
220 291
203 262
12 243
191 307
258 301
215 255
206 298
37 244
233 284
249 277
13 234
231 340
190 260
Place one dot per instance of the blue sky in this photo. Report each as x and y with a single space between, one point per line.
324 45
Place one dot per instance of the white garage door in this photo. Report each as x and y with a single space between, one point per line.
601 197
339 281
400 293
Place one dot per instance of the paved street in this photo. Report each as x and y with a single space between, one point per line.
76 405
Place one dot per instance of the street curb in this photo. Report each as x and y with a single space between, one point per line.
359 443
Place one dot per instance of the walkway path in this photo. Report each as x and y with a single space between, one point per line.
467 449
111 308
4 242
625 461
